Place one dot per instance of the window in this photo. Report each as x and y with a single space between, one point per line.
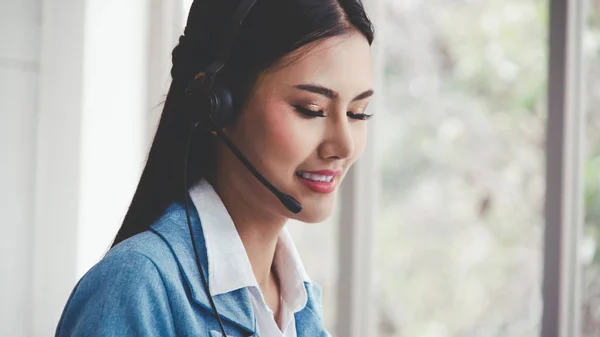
459 232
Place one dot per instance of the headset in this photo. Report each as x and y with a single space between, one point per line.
213 105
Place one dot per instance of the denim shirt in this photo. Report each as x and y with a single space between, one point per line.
149 285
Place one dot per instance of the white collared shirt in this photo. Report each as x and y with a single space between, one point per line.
229 268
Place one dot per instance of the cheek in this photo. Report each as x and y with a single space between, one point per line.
285 135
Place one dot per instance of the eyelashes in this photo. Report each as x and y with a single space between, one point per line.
361 116
308 113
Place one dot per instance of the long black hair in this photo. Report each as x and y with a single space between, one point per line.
272 30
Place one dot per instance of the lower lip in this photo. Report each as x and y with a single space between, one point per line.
319 186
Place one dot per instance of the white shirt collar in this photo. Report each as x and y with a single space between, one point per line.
229 268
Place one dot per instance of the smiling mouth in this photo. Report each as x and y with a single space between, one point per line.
323 182
315 177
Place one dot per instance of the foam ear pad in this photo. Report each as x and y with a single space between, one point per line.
222 106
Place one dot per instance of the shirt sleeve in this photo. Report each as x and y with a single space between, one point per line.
123 295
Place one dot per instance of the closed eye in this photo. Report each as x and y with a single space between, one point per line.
309 113
360 116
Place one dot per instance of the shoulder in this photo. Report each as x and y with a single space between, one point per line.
142 258
123 271
124 294
147 246
128 290
142 286
159 247
145 260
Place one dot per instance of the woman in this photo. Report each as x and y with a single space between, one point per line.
299 74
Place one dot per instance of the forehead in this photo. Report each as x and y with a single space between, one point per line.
341 63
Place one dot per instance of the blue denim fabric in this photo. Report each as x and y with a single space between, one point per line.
149 285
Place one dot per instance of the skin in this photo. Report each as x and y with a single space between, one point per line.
279 141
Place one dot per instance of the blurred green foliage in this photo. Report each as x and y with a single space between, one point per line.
462 142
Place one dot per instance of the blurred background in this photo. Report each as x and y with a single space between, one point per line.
440 230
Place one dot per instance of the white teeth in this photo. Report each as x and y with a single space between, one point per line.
315 177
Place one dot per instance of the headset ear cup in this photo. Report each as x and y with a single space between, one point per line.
224 112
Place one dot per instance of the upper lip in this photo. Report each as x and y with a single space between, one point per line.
328 173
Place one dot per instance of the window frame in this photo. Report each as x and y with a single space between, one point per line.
565 141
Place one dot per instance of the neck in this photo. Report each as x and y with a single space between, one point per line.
258 231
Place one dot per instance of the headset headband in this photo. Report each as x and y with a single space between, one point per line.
230 33
227 39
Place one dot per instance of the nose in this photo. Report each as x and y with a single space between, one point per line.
339 142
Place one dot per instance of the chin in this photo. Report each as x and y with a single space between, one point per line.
312 218
313 213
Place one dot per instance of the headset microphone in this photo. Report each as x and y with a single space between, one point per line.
288 201
213 106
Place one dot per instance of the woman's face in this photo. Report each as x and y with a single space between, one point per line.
303 122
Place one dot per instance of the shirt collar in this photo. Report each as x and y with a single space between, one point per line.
228 265
291 272
229 268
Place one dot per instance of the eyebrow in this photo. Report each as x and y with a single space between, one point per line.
317 89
